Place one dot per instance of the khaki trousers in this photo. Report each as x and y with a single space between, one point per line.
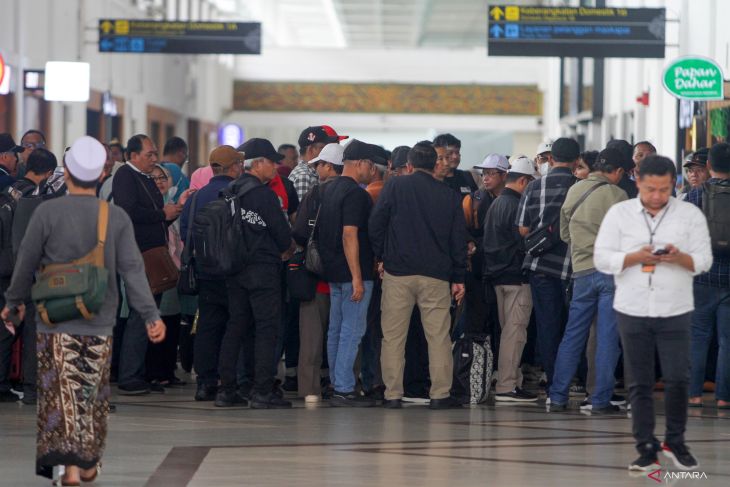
313 320
433 297
515 305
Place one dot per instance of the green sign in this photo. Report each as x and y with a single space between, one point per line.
694 78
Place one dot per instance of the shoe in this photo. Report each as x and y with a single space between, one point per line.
64 483
112 408
246 391
543 380
417 398
577 390
229 399
268 401
377 393
92 477
448 402
328 392
157 387
7 396
586 405
517 395
351 400
392 404
680 456
312 399
30 398
647 462
605 410
557 408
291 384
618 400
206 392
174 382
135 388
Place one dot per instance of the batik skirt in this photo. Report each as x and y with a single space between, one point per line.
73 400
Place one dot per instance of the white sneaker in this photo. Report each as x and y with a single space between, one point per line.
312 399
416 400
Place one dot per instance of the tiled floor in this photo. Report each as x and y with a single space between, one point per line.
170 440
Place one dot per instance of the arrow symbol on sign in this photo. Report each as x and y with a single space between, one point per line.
496 31
496 13
106 45
107 27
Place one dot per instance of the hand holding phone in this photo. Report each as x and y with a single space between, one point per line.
660 250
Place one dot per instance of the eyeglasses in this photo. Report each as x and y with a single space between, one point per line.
541 157
158 178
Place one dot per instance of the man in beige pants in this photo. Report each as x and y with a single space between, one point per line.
503 257
418 230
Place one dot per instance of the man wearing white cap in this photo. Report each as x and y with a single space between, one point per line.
504 254
543 155
74 355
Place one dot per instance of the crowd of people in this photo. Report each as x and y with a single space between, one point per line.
359 267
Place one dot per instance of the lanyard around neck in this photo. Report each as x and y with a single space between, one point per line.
653 231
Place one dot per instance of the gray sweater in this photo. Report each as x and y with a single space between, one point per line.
64 229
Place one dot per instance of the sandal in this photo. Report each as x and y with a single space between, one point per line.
91 478
63 483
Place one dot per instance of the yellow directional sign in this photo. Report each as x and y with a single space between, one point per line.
107 27
512 13
497 13
121 27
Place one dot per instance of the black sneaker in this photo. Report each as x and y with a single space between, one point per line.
680 455
291 384
557 408
647 462
29 398
446 403
351 400
134 388
377 393
156 387
606 410
618 400
7 396
577 390
517 395
392 404
268 401
229 399
328 392
206 392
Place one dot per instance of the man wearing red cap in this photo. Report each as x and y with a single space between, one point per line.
311 142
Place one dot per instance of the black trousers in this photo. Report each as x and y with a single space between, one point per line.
671 337
416 377
161 359
212 320
254 298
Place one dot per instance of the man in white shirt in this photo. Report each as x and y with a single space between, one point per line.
654 245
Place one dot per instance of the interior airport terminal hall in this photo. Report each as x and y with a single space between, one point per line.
350 243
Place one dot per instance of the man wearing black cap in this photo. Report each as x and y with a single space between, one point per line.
399 161
549 269
254 294
311 142
348 262
8 160
627 163
417 229
695 166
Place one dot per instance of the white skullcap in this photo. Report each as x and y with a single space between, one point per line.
85 159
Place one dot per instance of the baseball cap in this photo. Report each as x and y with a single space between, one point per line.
543 147
698 158
626 150
357 150
610 156
523 165
7 144
399 157
494 161
319 133
225 156
565 149
85 159
255 148
331 153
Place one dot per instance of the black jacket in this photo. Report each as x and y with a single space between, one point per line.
628 185
138 195
503 245
417 227
265 228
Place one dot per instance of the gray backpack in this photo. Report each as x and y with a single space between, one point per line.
716 207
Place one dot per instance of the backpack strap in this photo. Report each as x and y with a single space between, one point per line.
96 256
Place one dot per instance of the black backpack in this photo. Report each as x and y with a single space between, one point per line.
219 243
473 367
716 207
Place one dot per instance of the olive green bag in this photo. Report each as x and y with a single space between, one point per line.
77 289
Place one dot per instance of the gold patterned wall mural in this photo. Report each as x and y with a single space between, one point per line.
388 98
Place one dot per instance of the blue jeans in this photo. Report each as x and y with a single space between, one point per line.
712 309
592 296
548 301
348 321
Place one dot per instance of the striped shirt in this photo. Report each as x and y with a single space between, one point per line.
304 179
540 204
719 273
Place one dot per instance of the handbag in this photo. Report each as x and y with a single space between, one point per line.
161 271
312 258
187 285
77 289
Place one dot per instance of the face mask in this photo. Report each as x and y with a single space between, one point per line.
171 192
544 168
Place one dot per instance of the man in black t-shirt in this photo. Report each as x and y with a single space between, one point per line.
460 181
348 263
